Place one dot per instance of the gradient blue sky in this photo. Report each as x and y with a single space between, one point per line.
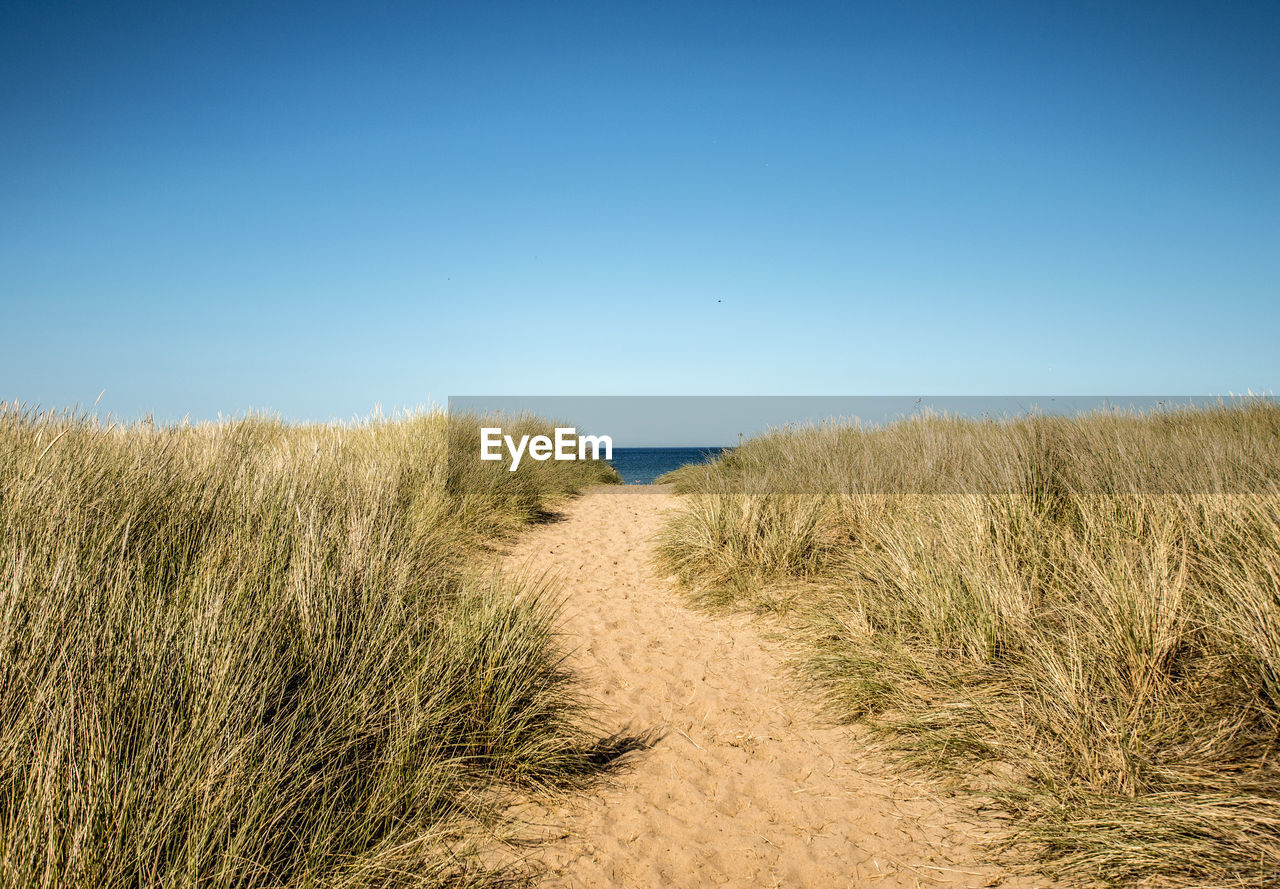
314 209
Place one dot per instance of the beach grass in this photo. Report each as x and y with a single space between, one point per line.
248 653
1076 618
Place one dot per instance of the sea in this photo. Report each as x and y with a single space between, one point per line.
641 466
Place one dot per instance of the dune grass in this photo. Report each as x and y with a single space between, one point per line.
1076 617
255 654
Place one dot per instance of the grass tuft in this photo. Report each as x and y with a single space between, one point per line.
254 654
1077 617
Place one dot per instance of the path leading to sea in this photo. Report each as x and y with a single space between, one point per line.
749 785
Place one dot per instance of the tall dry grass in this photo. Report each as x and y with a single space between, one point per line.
1079 618
252 654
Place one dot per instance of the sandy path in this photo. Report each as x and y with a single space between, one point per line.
748 786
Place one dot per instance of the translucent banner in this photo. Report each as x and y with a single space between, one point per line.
891 444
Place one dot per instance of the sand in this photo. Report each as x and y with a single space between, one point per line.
749 784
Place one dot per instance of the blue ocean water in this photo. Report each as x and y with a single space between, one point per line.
640 466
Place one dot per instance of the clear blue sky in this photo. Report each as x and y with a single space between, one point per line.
317 208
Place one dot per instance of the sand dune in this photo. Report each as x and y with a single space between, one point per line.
748 785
